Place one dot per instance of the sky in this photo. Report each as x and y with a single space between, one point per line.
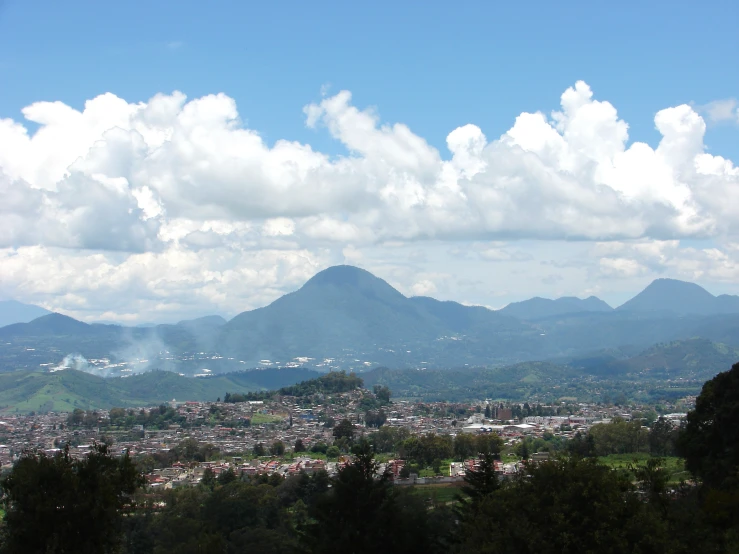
165 160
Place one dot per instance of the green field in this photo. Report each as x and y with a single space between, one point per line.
63 391
258 418
437 493
674 465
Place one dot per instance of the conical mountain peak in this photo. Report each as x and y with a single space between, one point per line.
350 279
673 295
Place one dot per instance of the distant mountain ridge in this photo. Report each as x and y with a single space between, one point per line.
346 318
12 311
537 307
347 308
53 323
680 297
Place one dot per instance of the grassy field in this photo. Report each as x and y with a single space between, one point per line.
258 418
437 493
428 472
674 465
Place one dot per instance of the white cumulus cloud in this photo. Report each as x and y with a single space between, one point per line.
111 198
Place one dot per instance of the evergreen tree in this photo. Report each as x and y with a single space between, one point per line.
61 505
226 477
524 450
566 505
363 513
481 480
208 480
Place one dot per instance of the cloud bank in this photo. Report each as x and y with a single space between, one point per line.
128 211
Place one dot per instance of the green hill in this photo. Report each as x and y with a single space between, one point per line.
513 382
684 359
26 391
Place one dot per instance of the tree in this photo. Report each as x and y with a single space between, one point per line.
524 451
465 446
652 479
582 445
344 429
226 477
564 505
259 450
208 480
333 452
117 415
710 440
57 504
619 437
277 448
77 417
387 439
363 513
382 393
480 481
299 447
488 443
426 448
488 413
234 517
662 437
375 419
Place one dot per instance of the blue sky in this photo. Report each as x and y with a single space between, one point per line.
431 66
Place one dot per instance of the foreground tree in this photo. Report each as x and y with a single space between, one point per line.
58 504
482 480
364 513
710 441
567 505
662 437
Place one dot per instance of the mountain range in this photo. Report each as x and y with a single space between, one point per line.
346 318
537 308
12 311
663 371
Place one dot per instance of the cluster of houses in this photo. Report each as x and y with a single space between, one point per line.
183 474
282 420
